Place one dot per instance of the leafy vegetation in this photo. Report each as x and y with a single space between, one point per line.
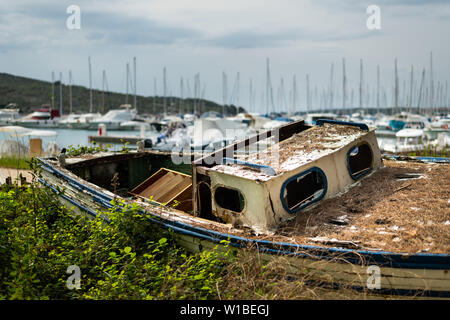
126 258
73 151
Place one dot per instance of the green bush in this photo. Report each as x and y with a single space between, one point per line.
127 258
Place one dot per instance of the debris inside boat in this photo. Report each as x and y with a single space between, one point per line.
325 183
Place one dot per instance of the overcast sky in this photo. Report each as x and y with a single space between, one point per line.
211 37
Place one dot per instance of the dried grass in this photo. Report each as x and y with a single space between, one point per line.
382 212
385 212
315 140
250 277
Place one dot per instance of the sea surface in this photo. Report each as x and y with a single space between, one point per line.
67 137
70 137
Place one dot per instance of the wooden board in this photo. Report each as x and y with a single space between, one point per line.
167 187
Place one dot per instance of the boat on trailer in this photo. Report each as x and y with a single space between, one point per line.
243 197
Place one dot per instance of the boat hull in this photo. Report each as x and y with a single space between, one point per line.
36 124
399 274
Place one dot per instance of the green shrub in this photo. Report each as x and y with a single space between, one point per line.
127 258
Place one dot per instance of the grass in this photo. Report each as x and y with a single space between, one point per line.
15 162
430 152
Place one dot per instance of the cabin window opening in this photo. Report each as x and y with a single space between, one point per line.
359 161
230 199
303 189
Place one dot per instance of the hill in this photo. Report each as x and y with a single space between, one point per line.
30 94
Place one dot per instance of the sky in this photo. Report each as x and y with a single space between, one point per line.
210 37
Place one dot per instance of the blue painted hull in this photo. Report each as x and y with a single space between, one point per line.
396 125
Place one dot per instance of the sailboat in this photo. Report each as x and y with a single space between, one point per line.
76 120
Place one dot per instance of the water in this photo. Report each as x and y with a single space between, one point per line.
67 137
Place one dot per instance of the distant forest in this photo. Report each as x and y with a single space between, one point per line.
30 94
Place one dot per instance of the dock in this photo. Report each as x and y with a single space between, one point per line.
115 139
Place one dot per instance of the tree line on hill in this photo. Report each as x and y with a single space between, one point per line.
30 94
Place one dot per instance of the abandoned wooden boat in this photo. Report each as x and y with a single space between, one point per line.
321 196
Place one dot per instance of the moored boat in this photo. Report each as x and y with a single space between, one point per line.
9 114
114 118
407 140
44 117
78 121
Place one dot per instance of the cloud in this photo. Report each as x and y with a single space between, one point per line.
248 39
365 3
35 25
253 39
129 30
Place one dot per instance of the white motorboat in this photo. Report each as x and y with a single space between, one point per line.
44 117
408 140
78 121
114 118
437 127
9 114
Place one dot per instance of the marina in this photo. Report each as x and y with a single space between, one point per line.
237 151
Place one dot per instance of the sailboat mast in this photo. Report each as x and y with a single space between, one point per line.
360 83
134 70
267 85
128 82
155 91
164 91
422 82
344 84
396 85
60 95
103 90
431 81
181 96
294 93
53 89
411 83
224 92
250 98
70 91
446 94
237 92
378 88
90 85
330 106
308 98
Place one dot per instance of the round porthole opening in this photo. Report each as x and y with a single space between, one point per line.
303 189
359 161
